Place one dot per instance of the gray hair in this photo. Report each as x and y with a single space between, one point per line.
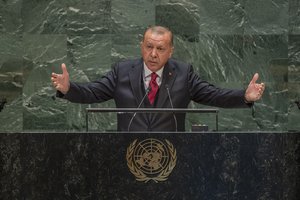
160 30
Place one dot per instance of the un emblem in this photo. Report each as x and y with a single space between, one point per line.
151 159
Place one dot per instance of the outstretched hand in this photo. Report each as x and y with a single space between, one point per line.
61 82
255 90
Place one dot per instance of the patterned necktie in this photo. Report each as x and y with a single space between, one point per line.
154 88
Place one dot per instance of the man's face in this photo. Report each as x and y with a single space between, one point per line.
156 49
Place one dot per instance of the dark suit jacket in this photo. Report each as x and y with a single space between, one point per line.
124 84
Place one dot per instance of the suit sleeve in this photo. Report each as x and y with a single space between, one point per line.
92 92
208 94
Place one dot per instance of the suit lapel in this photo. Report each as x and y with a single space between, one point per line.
137 84
169 76
135 76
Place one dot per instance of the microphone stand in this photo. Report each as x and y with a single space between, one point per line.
134 114
175 119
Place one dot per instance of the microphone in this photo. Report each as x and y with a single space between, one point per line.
175 120
134 114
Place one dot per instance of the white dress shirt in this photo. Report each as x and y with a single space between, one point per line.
147 76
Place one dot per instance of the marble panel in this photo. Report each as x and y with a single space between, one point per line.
268 55
44 54
125 46
294 20
89 55
294 82
221 17
216 58
89 17
132 16
181 20
44 17
10 17
266 17
12 79
59 17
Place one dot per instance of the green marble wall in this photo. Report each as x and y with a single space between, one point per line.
227 41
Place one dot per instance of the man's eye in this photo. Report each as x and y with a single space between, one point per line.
160 49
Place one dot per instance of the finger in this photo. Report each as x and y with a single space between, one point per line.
57 85
54 84
254 79
54 75
261 87
64 68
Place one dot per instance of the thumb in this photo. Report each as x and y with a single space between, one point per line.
64 68
254 79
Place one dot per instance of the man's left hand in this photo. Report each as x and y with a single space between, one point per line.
254 90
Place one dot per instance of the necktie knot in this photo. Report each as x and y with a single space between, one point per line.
153 76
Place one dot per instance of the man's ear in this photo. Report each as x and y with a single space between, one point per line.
172 50
141 44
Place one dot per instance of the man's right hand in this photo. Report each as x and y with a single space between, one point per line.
61 82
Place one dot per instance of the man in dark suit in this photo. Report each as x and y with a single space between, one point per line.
166 82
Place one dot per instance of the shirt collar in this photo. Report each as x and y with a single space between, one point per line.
148 72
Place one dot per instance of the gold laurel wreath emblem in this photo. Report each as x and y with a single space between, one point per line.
141 176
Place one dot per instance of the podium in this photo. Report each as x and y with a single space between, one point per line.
203 165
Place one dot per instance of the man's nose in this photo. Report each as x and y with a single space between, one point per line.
154 53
